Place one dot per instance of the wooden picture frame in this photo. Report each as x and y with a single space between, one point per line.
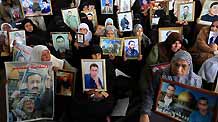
125 21
65 82
71 17
36 7
124 5
134 43
4 43
179 102
60 40
106 6
164 32
89 68
114 46
205 18
186 12
80 38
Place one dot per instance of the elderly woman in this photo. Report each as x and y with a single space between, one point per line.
111 32
180 70
201 50
163 51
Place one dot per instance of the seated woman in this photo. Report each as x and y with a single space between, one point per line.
201 50
164 51
179 70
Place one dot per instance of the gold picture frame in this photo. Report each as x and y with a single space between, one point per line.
164 32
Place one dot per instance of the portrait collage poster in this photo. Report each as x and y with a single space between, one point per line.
4 44
29 91
182 102
132 48
91 14
60 41
213 38
125 21
36 7
186 11
18 36
106 6
94 74
164 32
21 53
114 46
209 12
71 17
65 81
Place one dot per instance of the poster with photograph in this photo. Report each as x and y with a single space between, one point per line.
65 82
4 44
22 53
94 74
106 6
114 46
17 37
71 17
132 48
164 32
60 41
186 12
185 103
209 12
36 7
213 38
125 21
29 91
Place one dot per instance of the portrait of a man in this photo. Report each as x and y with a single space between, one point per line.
212 13
71 20
107 6
185 12
45 7
124 23
213 38
60 41
34 83
132 49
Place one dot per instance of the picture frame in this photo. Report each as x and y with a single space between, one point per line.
114 46
94 68
184 101
91 14
124 5
65 82
132 47
186 11
205 18
80 37
36 7
213 38
71 17
16 13
60 40
19 36
164 32
4 44
106 6
125 21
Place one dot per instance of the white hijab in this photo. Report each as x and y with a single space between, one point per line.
88 36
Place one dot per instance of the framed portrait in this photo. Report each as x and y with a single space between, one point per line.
80 37
36 7
91 14
186 11
100 29
60 41
4 44
164 32
125 21
132 47
124 5
21 53
106 6
16 13
213 38
71 17
65 82
94 74
114 46
186 103
18 36
208 14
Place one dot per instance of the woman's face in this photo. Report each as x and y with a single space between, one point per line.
214 26
110 34
176 46
28 27
139 32
180 68
45 55
6 28
83 31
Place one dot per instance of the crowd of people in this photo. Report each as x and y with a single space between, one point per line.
187 57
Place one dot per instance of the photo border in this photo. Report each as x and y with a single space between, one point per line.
111 7
120 39
77 37
193 11
139 47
